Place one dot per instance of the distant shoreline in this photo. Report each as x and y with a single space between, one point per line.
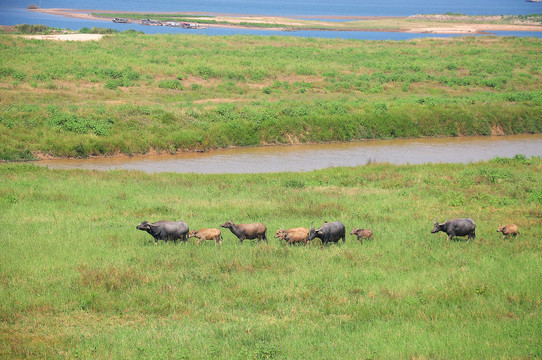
361 23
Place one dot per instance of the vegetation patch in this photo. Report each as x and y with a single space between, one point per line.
71 289
289 90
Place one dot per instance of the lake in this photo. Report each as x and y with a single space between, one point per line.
298 7
317 156
14 12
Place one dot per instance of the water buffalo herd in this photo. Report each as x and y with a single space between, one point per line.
330 232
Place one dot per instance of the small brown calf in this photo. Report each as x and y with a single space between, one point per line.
207 234
508 230
293 235
362 234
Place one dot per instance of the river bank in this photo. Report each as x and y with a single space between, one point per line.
129 93
415 24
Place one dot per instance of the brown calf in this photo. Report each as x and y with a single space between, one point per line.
207 234
362 234
247 231
293 235
508 230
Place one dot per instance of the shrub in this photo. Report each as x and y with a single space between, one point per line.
95 30
6 71
170 84
63 121
206 72
31 29
112 84
294 184
304 70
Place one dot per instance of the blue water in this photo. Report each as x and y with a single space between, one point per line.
14 12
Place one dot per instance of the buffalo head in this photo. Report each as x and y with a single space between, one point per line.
227 225
437 227
145 226
314 232
280 233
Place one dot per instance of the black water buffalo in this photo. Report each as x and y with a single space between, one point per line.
165 230
456 227
247 231
333 232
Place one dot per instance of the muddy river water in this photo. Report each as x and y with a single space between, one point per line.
317 156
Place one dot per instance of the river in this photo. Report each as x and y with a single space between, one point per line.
317 156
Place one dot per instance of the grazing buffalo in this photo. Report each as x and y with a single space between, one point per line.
362 234
508 230
293 235
206 234
333 232
247 231
165 230
456 227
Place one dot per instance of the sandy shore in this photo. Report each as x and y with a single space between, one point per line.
473 28
73 13
66 37
282 22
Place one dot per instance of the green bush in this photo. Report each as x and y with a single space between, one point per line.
62 121
32 28
170 84
95 30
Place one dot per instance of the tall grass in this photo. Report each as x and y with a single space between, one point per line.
177 92
79 281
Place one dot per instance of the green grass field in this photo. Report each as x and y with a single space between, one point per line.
78 281
131 93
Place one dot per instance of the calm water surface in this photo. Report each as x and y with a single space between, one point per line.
297 7
311 157
14 12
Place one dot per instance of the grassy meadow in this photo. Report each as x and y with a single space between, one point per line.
78 281
131 93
